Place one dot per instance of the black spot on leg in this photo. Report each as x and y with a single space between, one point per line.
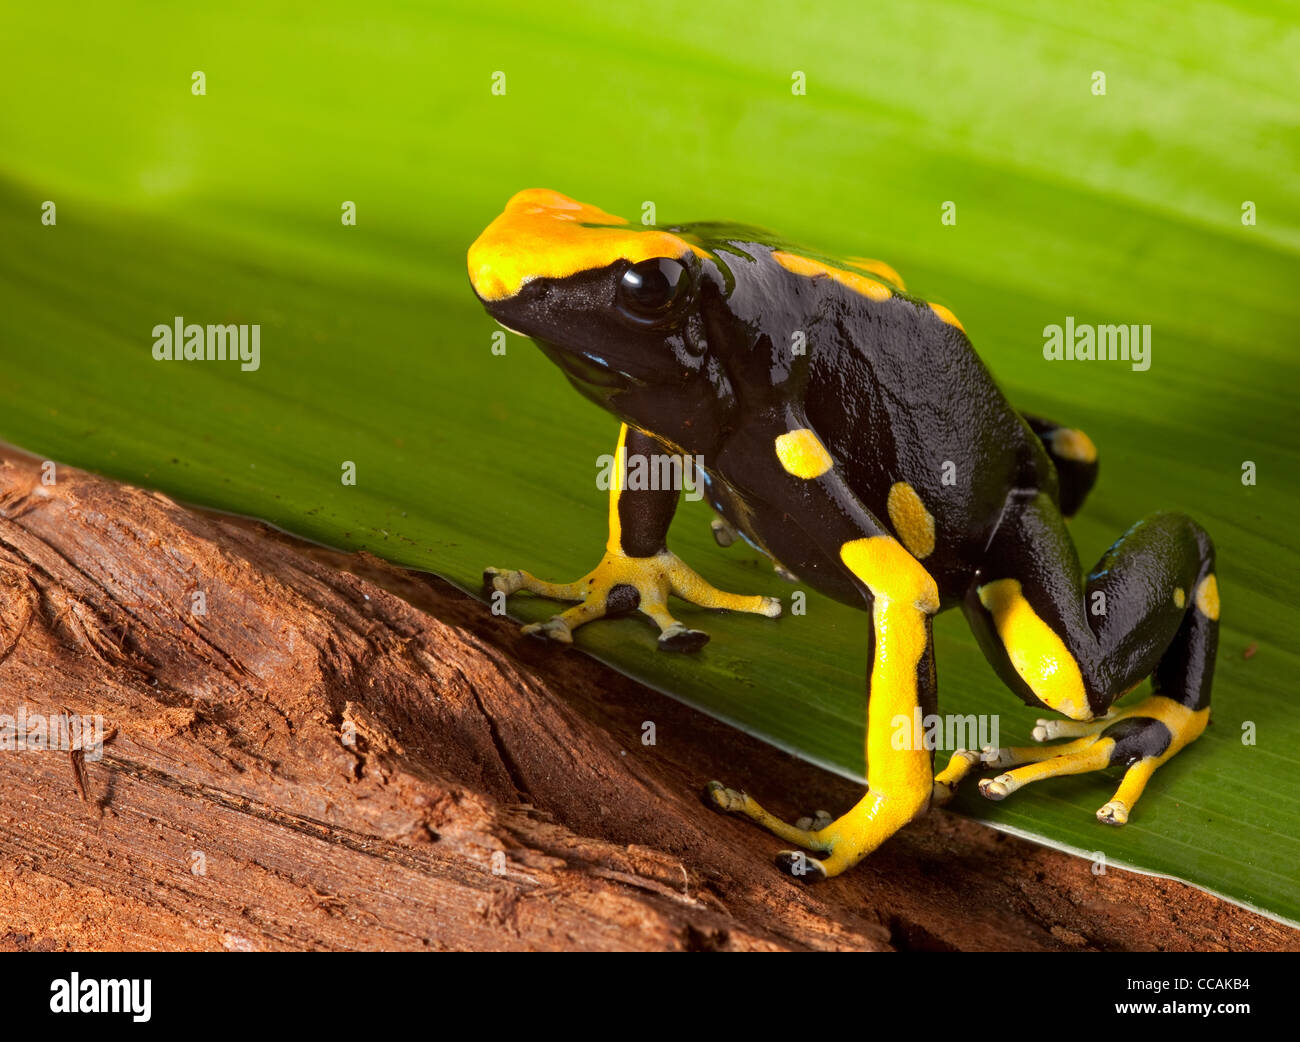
1137 738
622 599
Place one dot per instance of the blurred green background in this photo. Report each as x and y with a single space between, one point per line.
1117 208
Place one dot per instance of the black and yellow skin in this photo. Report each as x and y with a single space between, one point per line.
849 430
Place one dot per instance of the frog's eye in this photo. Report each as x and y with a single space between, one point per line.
651 289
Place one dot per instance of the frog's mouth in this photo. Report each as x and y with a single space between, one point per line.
587 370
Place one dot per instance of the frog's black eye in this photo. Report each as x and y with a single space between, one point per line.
651 289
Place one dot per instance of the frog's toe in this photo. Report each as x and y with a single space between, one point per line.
1113 813
681 639
819 820
1077 757
559 628
692 587
960 764
1047 729
799 865
719 797
784 572
512 580
553 628
724 533
736 801
1135 779
997 788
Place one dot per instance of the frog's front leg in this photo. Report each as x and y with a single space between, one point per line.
791 466
638 571
1150 607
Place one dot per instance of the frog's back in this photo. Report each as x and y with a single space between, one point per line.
897 393
925 436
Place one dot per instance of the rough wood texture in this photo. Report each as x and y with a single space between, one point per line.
359 757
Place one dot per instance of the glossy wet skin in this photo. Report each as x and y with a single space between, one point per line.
850 431
688 346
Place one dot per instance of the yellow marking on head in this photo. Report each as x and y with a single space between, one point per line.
811 268
1180 598
913 523
802 454
877 267
1037 653
890 572
1207 597
945 314
1073 445
543 234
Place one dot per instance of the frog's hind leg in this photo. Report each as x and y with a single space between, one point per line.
637 571
1149 608
1075 458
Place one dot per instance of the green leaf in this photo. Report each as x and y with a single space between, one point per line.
1117 208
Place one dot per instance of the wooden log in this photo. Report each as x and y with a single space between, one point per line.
313 750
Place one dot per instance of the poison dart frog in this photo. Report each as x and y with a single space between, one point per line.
847 428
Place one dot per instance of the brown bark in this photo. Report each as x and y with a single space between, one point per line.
360 757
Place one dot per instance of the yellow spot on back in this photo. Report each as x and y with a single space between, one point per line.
1207 597
1073 445
543 234
802 454
913 523
947 316
1180 598
878 267
811 268
890 572
1037 653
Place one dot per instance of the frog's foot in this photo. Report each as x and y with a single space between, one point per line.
845 840
1139 738
620 584
963 761
796 863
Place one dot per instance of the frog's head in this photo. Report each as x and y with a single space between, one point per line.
632 315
